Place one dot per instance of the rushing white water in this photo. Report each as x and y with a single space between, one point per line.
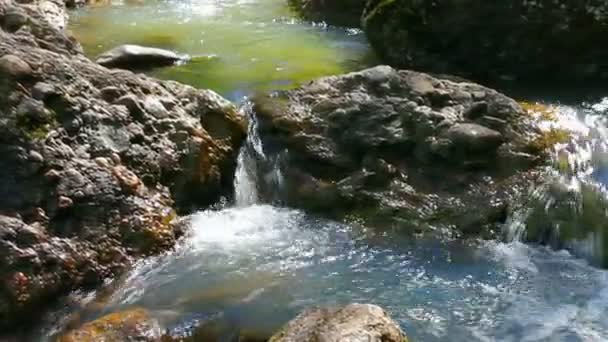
258 266
571 209
245 178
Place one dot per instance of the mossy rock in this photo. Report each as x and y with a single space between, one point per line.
131 325
492 40
334 12
560 217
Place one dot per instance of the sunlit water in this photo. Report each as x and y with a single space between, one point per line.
260 265
257 44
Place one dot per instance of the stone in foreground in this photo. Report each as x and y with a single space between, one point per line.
354 323
138 57
131 325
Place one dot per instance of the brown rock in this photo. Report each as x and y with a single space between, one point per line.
130 325
14 66
127 178
354 322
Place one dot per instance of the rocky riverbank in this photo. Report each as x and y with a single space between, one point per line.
95 162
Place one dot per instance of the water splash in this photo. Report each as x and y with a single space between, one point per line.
570 210
252 152
258 177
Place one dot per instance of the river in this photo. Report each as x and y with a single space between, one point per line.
254 265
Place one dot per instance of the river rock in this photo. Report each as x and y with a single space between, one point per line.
138 57
131 325
334 12
377 144
353 322
492 40
87 181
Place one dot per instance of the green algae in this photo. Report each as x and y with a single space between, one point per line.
258 45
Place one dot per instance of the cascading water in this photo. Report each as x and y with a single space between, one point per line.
255 170
571 209
245 178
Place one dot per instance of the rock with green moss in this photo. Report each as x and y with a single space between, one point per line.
377 143
492 40
94 163
353 322
334 12
566 217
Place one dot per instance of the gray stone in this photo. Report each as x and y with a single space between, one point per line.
379 141
471 137
42 91
138 57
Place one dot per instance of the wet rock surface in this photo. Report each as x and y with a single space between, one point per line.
538 41
333 12
400 148
130 325
138 57
353 322
94 163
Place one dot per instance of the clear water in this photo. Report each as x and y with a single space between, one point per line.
260 265
257 266
257 44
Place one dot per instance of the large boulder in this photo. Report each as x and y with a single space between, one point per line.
334 12
130 56
398 148
353 322
94 163
492 40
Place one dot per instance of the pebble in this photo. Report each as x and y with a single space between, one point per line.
14 66
64 202
116 158
103 162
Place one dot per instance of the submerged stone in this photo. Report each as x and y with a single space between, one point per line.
139 57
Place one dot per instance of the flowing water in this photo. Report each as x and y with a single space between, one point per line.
254 266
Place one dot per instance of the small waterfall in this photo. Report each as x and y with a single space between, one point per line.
570 210
246 190
258 177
